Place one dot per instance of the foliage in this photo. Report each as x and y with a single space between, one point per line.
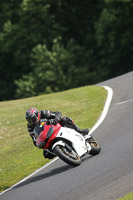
55 70
49 46
114 36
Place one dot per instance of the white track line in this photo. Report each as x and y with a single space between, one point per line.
123 102
105 110
102 117
38 170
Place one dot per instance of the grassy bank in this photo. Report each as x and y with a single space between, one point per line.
18 156
127 197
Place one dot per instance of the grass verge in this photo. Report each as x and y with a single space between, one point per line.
18 156
127 197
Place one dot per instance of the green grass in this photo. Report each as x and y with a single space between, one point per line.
127 197
18 156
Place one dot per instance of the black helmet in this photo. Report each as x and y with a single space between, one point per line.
32 116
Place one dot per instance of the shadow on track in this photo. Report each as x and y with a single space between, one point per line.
52 172
40 177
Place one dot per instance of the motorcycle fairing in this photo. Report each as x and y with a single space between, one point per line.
77 140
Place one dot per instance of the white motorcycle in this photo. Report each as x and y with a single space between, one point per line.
69 145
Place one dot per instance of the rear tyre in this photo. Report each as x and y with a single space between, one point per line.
95 147
70 157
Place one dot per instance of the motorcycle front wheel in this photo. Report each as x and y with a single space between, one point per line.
70 157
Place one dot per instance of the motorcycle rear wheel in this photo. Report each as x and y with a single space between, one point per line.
95 147
70 158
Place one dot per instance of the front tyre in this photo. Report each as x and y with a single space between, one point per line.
70 157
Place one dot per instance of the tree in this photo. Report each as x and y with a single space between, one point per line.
95 44
20 33
51 69
114 37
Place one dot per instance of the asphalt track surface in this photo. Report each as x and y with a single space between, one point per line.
106 176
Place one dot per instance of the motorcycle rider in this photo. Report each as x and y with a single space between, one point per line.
33 117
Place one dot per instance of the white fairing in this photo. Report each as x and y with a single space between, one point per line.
77 140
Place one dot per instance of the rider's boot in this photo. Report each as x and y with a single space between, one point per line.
81 131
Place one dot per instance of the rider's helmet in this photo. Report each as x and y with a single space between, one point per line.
32 116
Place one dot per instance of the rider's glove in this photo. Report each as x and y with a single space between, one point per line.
52 121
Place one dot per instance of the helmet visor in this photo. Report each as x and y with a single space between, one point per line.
32 120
